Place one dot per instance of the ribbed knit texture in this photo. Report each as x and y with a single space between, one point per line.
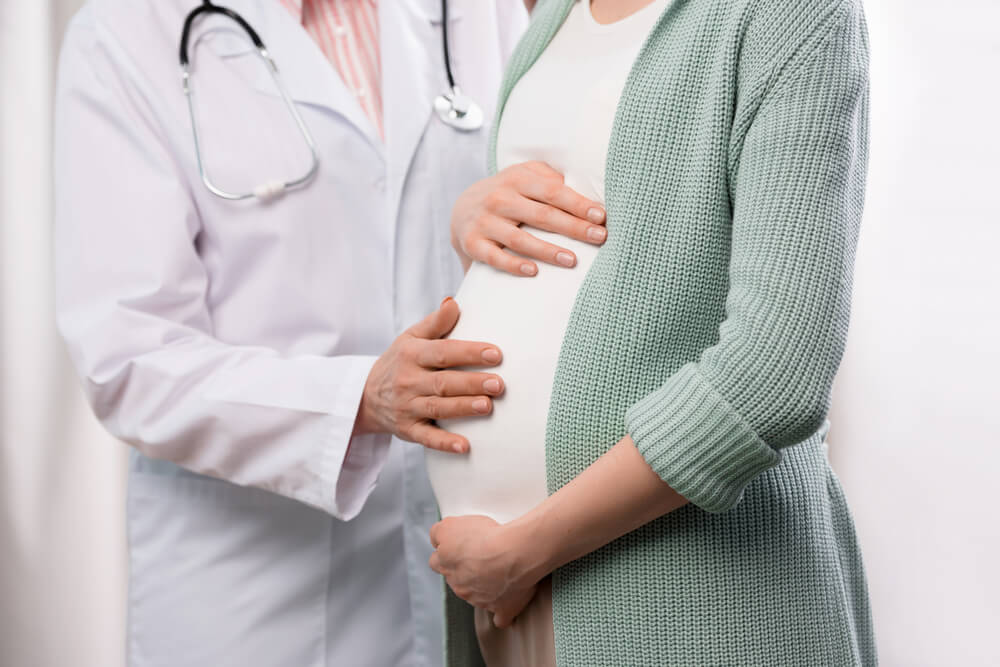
710 328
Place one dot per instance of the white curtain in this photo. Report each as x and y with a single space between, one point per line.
916 411
62 558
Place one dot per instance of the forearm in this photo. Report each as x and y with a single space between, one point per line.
617 494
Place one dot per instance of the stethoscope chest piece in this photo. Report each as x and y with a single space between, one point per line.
458 110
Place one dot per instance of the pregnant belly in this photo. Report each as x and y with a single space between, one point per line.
503 475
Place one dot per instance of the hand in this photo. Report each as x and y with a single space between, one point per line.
486 219
408 388
480 561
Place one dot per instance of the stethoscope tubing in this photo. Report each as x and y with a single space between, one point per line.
452 106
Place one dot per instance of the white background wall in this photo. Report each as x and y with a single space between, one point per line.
916 420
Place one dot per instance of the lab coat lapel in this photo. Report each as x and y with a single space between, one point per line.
412 75
303 68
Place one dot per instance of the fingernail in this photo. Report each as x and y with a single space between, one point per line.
491 355
446 300
481 405
595 215
565 258
458 447
597 234
528 269
491 386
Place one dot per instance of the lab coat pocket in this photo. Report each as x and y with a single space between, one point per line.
223 575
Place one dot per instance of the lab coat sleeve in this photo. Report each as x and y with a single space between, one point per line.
131 305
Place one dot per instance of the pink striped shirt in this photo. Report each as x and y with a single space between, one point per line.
347 33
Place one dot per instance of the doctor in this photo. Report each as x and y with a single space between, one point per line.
233 341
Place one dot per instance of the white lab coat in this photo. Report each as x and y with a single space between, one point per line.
229 341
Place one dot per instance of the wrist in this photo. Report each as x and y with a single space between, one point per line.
531 547
364 421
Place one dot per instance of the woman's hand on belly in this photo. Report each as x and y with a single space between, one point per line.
497 566
477 559
487 218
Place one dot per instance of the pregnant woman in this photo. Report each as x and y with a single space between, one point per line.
653 487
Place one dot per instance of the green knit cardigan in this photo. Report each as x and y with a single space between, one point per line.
710 327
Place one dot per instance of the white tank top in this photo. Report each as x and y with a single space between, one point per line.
560 112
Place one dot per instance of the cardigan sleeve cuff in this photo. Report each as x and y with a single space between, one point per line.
696 442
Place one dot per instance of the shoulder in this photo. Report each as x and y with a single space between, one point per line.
124 39
147 25
774 35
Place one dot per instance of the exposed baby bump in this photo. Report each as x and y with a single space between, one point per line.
503 475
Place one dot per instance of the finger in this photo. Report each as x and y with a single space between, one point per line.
450 353
542 168
554 192
435 535
433 437
435 563
488 252
438 323
437 407
543 216
459 383
553 219
505 615
526 243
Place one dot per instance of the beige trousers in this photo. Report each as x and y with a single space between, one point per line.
528 642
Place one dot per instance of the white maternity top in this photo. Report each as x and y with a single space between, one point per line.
560 112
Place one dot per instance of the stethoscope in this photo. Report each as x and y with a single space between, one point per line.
452 106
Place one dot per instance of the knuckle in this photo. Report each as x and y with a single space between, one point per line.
399 383
408 347
551 191
549 215
553 174
433 408
493 200
481 232
515 241
499 259
508 235
439 384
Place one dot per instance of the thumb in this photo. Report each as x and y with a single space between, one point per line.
438 323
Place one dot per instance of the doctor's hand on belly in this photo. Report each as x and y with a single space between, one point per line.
487 218
411 385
